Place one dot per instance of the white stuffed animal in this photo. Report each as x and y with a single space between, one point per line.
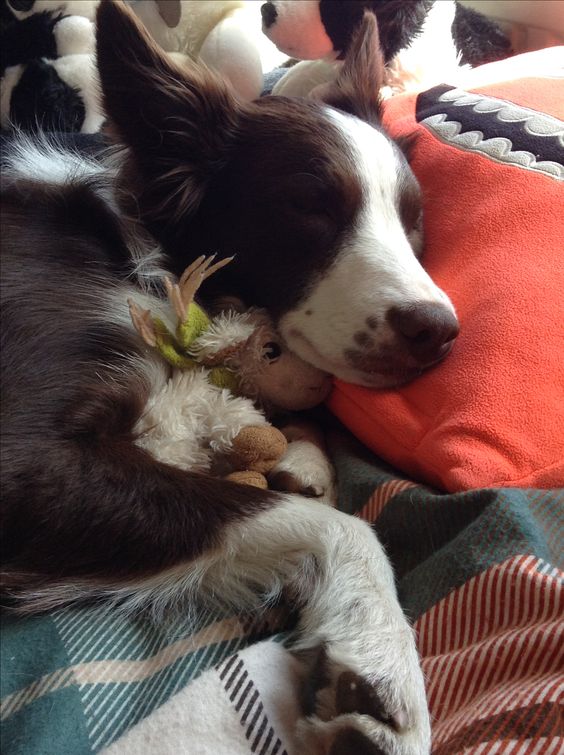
84 8
423 42
224 34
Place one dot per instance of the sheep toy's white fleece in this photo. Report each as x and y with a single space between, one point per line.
189 420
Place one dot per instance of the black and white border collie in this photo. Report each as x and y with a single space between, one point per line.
324 215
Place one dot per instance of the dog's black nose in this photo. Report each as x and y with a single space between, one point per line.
427 329
269 14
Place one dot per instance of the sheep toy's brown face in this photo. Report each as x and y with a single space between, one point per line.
281 378
248 344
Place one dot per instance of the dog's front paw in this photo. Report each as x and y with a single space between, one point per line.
356 714
305 469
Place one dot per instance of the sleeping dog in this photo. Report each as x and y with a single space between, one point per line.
324 216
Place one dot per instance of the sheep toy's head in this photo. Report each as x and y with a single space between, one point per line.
266 370
243 343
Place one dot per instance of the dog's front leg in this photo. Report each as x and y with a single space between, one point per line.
305 468
370 696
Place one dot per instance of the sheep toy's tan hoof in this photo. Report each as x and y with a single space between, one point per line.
258 448
256 479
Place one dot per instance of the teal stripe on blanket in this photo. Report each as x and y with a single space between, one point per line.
28 647
51 725
112 671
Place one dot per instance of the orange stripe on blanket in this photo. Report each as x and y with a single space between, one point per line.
380 497
493 654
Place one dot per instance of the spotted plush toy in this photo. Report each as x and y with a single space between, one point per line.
48 71
424 42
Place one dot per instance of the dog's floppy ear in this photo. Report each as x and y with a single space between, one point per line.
356 89
176 120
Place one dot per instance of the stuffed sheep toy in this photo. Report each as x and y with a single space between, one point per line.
209 415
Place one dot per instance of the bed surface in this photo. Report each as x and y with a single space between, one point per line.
478 573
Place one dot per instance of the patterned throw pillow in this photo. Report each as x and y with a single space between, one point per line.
491 164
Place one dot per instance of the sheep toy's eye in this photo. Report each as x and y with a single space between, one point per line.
272 351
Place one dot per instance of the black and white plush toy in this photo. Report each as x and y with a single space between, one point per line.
49 78
424 42
46 48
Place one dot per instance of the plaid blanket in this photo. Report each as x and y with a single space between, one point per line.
478 574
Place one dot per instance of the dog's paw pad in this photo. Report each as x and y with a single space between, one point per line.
348 712
354 694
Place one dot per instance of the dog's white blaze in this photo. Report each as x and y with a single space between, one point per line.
374 270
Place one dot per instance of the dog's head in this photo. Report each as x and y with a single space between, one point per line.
317 203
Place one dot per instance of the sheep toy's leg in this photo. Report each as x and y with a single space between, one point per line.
257 448
241 435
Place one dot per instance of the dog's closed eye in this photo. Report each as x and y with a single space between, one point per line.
308 195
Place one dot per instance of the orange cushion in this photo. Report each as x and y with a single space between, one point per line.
492 414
